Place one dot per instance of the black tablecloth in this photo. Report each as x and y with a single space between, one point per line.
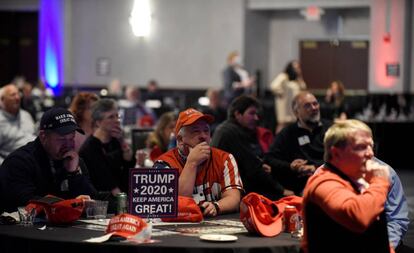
17 238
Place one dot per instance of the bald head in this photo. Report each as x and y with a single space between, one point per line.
297 100
10 99
305 106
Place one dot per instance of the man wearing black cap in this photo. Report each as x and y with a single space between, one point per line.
47 165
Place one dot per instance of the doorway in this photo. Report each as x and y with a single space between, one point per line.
323 61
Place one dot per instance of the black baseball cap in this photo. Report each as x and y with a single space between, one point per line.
59 120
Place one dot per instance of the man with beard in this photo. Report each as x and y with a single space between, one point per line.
298 149
209 175
47 165
239 135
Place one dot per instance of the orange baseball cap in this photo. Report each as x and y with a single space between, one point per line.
58 211
189 116
66 211
295 201
128 226
265 217
188 210
259 215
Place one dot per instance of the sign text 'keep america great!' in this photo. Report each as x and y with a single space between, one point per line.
153 192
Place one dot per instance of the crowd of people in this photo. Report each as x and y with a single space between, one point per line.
220 155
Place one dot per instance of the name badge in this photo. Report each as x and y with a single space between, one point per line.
303 140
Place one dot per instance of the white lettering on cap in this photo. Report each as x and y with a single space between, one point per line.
65 118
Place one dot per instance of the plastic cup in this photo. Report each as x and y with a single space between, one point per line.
26 216
96 209
141 156
89 209
101 209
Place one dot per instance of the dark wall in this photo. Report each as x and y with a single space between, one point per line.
18 46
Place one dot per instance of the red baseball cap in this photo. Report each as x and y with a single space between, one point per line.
146 121
188 210
289 201
128 226
59 212
259 215
262 216
66 211
189 116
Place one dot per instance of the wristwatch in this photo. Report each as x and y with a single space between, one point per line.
217 206
77 172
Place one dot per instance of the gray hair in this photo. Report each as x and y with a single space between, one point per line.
181 132
184 129
297 98
101 106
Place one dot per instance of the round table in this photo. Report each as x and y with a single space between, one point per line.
60 239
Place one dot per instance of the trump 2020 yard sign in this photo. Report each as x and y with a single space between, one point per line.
153 193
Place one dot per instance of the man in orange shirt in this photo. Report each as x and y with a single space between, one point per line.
340 214
209 175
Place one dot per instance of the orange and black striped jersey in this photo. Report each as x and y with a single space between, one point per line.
219 173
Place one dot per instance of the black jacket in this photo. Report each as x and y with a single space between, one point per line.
107 167
287 147
26 174
244 146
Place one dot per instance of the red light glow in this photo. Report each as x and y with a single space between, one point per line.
386 53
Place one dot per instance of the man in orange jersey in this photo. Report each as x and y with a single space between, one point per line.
207 174
340 213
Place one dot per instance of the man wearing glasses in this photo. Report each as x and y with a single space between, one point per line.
298 149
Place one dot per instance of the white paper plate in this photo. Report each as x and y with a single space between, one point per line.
219 238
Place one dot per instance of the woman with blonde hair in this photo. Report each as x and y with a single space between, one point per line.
285 87
158 140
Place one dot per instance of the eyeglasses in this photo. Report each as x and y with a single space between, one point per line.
112 117
310 105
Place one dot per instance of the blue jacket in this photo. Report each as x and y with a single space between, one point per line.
396 210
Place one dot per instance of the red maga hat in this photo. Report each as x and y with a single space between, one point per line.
188 210
265 217
127 226
59 211
189 116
